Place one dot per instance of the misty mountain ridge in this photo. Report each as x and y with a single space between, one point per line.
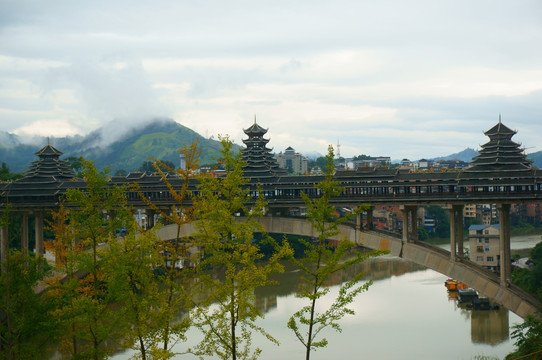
158 138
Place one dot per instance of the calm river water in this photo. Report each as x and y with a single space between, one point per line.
406 314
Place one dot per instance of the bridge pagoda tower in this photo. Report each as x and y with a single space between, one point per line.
500 158
260 166
37 192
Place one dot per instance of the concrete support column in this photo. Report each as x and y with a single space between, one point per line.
24 233
40 250
150 218
370 218
459 233
359 221
453 236
405 223
456 231
504 243
410 225
4 243
414 223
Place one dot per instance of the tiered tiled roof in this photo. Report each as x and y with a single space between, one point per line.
43 184
260 163
500 153
49 165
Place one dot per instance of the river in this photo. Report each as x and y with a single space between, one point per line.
407 313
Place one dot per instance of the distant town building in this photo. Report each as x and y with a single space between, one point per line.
292 161
469 211
487 213
370 162
484 245
449 164
531 213
315 170
424 164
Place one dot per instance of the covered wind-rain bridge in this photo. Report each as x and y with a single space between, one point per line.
500 175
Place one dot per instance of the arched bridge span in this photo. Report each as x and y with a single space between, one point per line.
486 282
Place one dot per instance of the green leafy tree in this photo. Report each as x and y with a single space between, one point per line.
423 234
320 162
121 172
129 264
84 303
149 166
64 287
146 167
528 336
531 279
6 175
25 326
233 266
76 164
442 221
361 157
175 293
321 261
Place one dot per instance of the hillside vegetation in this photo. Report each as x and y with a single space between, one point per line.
160 139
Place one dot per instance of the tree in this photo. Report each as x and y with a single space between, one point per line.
531 279
121 172
64 289
320 162
423 234
149 167
442 220
227 313
528 336
84 302
76 164
175 294
6 175
25 326
320 262
146 167
129 264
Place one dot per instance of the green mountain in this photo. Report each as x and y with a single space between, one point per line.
466 155
160 139
536 158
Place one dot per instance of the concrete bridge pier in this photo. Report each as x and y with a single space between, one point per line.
359 221
504 243
370 218
410 223
456 232
150 218
38 227
24 233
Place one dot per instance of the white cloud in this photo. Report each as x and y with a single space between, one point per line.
57 128
389 78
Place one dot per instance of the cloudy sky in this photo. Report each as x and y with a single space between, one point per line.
397 78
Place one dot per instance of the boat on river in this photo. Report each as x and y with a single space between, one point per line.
454 285
466 296
483 303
